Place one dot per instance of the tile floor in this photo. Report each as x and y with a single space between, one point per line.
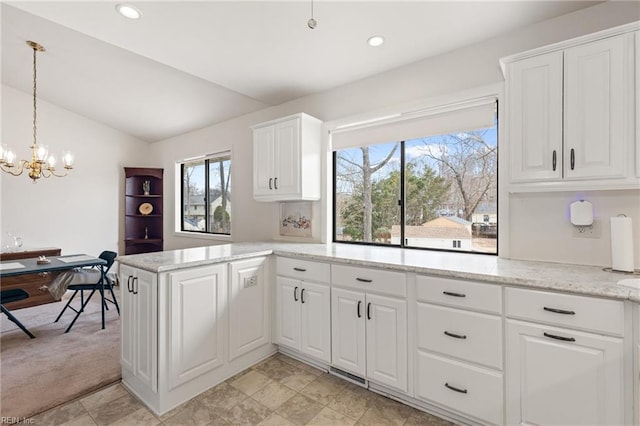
279 391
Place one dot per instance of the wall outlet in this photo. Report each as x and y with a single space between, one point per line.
593 231
250 281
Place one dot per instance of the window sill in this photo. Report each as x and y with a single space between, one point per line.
211 237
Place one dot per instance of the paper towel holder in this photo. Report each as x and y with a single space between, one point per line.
581 213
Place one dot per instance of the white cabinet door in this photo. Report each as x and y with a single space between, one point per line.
287 158
139 325
557 376
387 341
288 312
594 85
315 311
196 333
249 314
127 315
348 334
263 160
535 117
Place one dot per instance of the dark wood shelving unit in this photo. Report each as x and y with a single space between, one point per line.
143 233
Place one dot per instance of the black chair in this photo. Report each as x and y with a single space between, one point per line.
96 284
13 295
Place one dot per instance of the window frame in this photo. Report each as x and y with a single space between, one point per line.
206 161
402 202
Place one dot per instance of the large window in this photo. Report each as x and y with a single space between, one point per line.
436 191
206 195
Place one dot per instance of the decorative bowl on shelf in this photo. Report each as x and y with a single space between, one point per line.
145 208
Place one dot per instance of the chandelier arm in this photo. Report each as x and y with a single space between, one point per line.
15 170
53 173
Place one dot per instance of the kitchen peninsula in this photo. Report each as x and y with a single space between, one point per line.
194 317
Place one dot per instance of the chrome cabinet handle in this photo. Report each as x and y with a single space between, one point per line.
129 289
554 160
559 311
295 294
457 336
135 285
369 310
564 339
270 180
455 389
302 295
275 183
359 303
452 294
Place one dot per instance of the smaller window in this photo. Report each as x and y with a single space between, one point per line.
206 195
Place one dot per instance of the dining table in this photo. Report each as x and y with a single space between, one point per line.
12 268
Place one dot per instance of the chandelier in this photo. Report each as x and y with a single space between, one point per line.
42 164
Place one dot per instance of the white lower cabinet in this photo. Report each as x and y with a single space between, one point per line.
195 338
138 356
459 359
566 362
465 388
303 317
369 331
176 340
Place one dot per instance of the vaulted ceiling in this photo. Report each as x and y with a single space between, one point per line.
186 65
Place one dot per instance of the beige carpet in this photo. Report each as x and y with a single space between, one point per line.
54 368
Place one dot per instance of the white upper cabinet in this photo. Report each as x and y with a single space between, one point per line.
286 159
571 115
535 114
594 110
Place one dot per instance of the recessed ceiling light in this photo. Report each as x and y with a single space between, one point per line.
375 41
128 11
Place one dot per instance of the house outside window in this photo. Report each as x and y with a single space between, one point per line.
435 191
206 195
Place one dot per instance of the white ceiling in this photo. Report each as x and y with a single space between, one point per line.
187 65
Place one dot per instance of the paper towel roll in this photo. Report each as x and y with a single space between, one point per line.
621 244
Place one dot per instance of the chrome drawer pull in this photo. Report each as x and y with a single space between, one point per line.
364 280
559 311
564 339
449 293
455 389
457 336
300 269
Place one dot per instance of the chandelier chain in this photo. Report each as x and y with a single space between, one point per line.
35 105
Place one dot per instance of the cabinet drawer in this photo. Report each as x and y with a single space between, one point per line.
377 280
470 390
467 335
303 269
585 313
458 293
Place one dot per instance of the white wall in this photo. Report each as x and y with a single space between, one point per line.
80 213
424 81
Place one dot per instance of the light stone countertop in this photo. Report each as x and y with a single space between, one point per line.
585 280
